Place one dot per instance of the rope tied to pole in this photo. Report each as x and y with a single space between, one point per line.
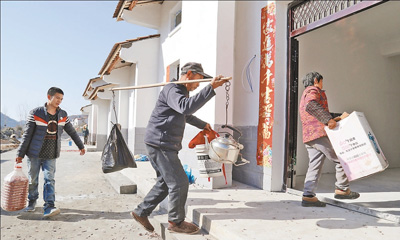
115 111
227 88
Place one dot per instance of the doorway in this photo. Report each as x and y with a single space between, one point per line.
359 57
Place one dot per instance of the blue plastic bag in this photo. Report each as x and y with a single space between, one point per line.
188 172
141 158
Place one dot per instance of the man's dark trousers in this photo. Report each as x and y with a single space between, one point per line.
171 180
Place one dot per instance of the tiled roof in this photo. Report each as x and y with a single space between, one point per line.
94 86
101 88
113 56
89 86
129 5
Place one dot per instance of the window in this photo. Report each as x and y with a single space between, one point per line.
176 16
173 71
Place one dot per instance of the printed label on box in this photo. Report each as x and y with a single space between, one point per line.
356 147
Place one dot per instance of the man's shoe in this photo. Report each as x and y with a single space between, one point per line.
341 194
312 202
31 206
183 227
51 211
144 221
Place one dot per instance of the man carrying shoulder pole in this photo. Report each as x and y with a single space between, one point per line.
163 140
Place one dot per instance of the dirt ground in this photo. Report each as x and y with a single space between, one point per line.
90 207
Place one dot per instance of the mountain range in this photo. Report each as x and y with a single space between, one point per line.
6 121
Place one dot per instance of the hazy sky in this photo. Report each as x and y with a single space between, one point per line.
55 43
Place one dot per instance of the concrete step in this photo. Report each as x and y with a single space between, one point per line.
91 148
353 207
243 212
160 222
145 176
121 183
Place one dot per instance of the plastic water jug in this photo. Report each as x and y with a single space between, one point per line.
14 194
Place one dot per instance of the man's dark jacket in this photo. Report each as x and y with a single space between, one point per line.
173 109
36 129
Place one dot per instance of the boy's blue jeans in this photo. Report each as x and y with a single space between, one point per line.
49 169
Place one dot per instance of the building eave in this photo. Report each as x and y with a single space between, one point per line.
101 88
89 86
129 5
85 107
113 56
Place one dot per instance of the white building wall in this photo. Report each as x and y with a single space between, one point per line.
146 15
225 60
101 110
196 40
246 103
171 41
191 44
118 76
140 103
144 54
131 107
279 131
223 36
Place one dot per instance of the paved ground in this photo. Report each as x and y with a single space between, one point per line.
379 192
90 207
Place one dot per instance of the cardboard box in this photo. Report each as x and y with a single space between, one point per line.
357 147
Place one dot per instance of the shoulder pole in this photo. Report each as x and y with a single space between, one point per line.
165 83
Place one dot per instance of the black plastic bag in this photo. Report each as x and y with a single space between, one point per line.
116 154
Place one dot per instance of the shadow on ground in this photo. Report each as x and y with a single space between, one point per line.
68 215
286 211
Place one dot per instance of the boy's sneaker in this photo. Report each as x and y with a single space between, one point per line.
31 206
312 202
341 194
183 227
51 211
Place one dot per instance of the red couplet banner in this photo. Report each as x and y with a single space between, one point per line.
267 86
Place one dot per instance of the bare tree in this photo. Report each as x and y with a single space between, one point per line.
23 111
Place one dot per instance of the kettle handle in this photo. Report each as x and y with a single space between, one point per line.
233 129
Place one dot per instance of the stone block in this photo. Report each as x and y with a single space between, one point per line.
121 183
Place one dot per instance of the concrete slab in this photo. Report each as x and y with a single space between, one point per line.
160 223
244 212
91 148
379 193
121 183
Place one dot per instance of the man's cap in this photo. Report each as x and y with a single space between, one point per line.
195 68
